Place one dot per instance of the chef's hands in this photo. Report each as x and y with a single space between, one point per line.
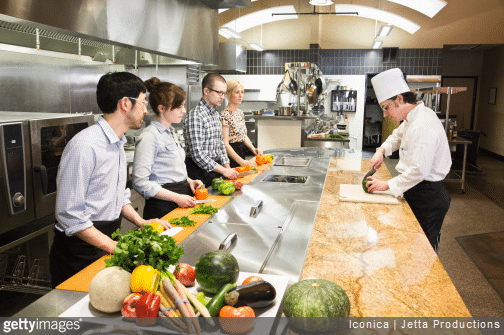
374 184
377 159
184 201
230 173
194 184
257 152
164 223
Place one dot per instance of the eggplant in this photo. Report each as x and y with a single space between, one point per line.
256 294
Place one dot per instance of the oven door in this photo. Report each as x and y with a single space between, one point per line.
48 139
16 200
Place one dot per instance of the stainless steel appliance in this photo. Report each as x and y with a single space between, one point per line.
31 145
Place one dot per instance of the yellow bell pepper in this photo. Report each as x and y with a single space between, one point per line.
144 278
156 226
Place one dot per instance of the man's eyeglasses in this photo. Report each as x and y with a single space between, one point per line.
220 93
385 107
146 103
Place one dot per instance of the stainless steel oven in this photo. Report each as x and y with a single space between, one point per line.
31 145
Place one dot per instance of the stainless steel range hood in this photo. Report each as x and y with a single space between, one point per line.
215 4
163 27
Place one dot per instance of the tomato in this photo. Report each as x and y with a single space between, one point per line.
236 320
251 279
238 184
185 274
128 309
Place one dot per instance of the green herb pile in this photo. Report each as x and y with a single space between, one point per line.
336 136
144 247
183 221
203 209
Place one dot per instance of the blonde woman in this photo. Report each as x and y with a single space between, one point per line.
234 130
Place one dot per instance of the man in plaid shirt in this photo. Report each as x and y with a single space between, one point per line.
206 154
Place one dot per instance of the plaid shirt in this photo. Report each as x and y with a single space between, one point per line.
203 137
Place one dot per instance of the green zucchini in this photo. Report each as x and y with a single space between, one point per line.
216 303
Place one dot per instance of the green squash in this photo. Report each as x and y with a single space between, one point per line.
215 269
315 305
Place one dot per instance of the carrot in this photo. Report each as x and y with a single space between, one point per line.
171 322
180 290
199 306
172 293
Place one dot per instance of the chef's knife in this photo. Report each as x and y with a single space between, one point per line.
369 174
204 201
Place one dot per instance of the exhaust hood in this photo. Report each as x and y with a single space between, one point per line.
161 27
232 57
216 4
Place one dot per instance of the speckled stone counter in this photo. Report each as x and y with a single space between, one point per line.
377 253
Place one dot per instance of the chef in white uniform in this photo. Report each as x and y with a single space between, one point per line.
424 153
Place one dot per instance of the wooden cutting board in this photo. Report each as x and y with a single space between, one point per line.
355 193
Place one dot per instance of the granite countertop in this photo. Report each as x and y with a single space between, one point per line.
377 253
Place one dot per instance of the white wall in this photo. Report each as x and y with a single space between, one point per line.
355 120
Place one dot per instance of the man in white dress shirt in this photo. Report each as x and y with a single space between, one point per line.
91 192
424 153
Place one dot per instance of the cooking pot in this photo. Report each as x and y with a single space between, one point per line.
312 94
284 111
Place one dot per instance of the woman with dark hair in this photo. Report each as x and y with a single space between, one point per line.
159 170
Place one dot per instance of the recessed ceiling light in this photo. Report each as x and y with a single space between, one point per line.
256 46
385 30
380 15
426 7
228 33
321 2
377 44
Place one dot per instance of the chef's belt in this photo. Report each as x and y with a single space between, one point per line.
70 254
195 172
241 149
157 208
430 202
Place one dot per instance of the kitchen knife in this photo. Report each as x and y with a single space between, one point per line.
246 173
369 174
204 201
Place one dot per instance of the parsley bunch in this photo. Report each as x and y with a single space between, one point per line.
183 221
203 209
144 247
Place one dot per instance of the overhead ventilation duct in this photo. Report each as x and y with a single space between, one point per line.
221 4
232 57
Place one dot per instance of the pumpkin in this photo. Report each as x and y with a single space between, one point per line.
215 269
108 288
315 305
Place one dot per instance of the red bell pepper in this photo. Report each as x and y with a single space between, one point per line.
148 305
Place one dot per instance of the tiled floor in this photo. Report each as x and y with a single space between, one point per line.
480 210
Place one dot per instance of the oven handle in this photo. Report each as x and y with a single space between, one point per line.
43 177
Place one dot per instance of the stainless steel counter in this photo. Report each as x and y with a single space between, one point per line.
285 117
273 242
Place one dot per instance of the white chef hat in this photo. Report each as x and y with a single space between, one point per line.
389 84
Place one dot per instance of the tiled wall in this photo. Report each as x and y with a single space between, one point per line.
346 61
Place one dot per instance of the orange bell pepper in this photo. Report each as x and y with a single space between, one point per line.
201 193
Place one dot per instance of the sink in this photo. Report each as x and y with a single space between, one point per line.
293 161
286 179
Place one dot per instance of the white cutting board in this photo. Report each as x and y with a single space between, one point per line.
355 193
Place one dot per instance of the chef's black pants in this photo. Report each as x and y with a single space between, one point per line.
241 149
195 172
157 208
430 202
70 254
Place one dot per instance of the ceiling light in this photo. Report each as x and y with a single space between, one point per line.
261 17
385 30
228 32
426 7
377 44
321 2
380 15
256 46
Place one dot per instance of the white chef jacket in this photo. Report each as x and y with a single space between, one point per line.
424 153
